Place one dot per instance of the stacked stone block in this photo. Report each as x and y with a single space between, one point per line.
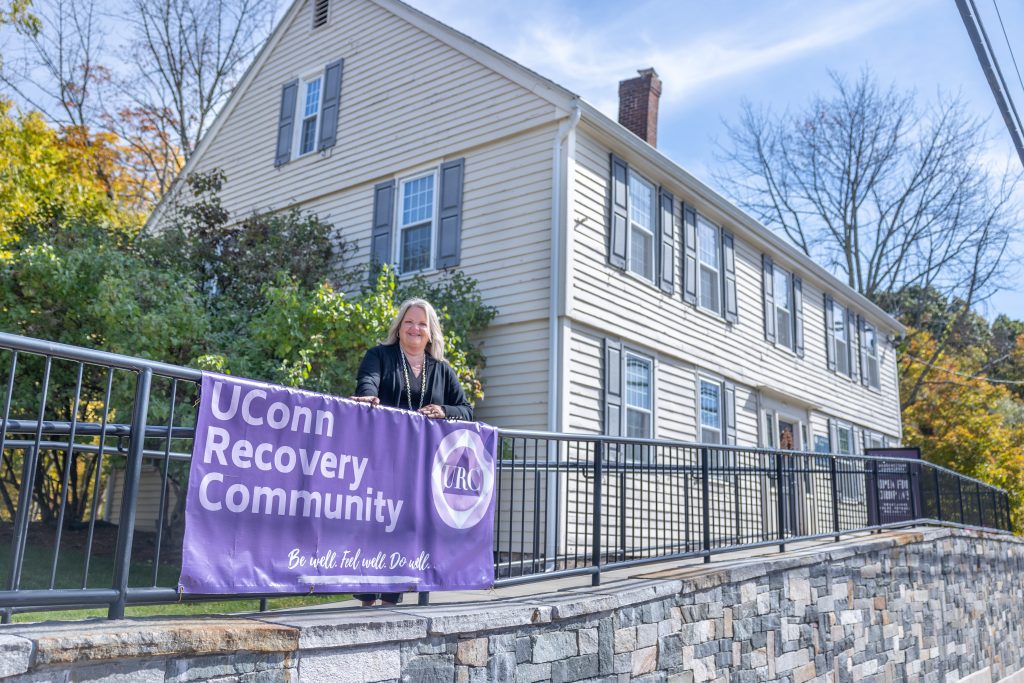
931 605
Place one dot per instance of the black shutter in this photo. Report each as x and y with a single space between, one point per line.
449 233
730 309
667 242
833 439
830 335
383 215
331 105
689 254
286 122
729 408
861 331
798 316
618 212
851 332
612 388
768 284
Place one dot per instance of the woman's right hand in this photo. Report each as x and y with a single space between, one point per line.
372 400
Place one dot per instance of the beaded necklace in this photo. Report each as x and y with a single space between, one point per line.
423 380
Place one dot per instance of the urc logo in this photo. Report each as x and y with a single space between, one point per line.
462 479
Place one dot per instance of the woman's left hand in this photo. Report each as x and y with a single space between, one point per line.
433 410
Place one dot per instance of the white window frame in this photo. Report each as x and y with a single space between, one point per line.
839 313
400 227
873 369
651 233
300 113
717 384
626 405
780 274
718 271
850 484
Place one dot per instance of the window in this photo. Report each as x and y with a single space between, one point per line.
417 220
709 252
639 402
849 471
869 354
838 335
710 412
783 297
309 116
415 223
641 226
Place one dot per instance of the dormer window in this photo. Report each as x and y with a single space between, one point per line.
320 8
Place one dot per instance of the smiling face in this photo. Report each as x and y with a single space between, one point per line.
414 331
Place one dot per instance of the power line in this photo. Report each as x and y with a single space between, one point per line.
1009 382
993 74
1013 58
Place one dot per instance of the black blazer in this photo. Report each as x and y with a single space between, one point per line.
380 375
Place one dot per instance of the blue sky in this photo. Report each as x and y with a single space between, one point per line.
712 55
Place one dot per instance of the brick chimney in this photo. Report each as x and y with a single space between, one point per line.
638 105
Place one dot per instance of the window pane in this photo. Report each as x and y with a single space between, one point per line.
640 256
710 405
641 202
638 423
308 139
784 327
416 248
843 437
709 288
839 322
638 383
710 435
707 245
418 200
781 287
312 105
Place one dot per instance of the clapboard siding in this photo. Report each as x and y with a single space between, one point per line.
637 312
515 379
406 99
147 507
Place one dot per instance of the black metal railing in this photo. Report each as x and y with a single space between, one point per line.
94 455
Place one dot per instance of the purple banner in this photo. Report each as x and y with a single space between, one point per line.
293 491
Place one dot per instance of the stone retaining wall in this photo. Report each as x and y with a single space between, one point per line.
931 605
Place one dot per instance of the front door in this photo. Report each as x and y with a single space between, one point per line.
787 442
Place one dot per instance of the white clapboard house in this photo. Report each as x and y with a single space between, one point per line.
632 298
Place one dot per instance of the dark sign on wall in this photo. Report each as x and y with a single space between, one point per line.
895 490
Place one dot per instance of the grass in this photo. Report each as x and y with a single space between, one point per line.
37 568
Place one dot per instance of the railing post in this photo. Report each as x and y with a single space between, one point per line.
595 548
960 496
423 598
132 471
779 472
981 508
938 494
705 469
914 473
835 495
877 493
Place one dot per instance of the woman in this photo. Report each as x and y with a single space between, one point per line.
409 371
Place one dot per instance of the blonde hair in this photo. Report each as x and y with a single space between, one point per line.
435 346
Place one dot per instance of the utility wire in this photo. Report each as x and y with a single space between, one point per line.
994 76
1013 58
1011 382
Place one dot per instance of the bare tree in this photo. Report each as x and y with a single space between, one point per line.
189 55
894 198
887 194
57 69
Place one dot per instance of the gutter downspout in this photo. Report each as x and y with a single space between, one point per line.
556 342
556 267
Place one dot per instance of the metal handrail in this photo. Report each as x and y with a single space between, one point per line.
601 507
